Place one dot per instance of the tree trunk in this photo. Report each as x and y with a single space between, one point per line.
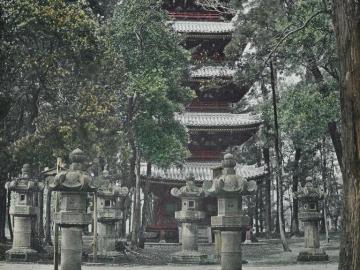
8 215
145 212
41 216
324 90
324 225
278 162
346 24
256 214
261 207
268 220
137 205
2 212
48 218
295 213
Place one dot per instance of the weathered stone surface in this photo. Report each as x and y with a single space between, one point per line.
71 248
189 257
228 223
228 188
231 258
309 198
76 178
72 217
108 214
189 216
24 211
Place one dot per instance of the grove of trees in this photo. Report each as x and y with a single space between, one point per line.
108 76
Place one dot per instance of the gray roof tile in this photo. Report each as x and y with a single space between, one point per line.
206 27
212 71
202 171
202 119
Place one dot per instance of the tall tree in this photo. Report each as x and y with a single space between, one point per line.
346 22
154 89
279 179
58 80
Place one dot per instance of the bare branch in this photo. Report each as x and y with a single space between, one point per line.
215 5
284 38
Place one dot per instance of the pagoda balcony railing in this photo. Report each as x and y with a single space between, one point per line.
205 155
210 106
206 16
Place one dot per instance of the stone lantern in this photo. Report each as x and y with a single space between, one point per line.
24 212
189 216
108 213
309 198
73 186
229 189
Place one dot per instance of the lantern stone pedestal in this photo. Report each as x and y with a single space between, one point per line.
24 212
73 185
229 188
108 215
248 235
309 198
189 216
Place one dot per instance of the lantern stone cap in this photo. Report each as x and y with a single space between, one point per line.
189 190
25 182
229 183
309 192
76 178
77 156
112 191
108 187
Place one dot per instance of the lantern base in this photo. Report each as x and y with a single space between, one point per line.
190 257
21 255
312 255
109 257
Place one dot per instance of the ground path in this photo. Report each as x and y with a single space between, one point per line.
264 255
330 266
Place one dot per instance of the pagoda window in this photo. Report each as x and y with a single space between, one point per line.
107 203
22 197
312 206
191 204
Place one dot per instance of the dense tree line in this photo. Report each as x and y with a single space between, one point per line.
107 77
89 74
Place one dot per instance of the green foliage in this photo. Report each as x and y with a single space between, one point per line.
155 70
60 77
305 114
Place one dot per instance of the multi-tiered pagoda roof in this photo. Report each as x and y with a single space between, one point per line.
210 120
202 171
211 124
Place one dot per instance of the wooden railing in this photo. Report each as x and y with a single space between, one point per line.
205 154
208 16
209 106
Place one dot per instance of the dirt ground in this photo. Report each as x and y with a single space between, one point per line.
263 255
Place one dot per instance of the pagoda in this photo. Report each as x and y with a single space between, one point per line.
213 127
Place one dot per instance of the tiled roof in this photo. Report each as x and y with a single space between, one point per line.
206 27
212 71
202 171
201 119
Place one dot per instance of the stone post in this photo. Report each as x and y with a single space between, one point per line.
24 212
309 198
229 188
189 216
248 235
109 213
217 236
73 185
